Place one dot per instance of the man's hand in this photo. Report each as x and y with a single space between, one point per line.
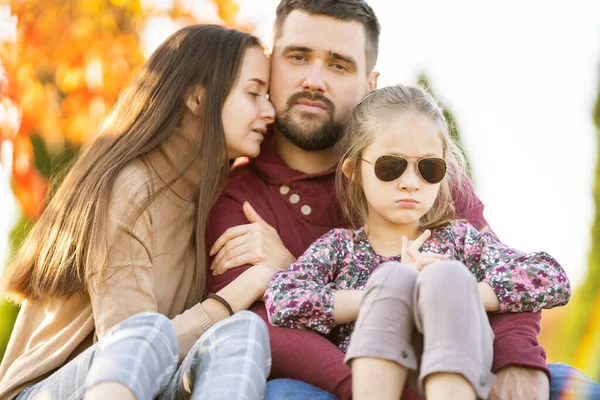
253 243
520 383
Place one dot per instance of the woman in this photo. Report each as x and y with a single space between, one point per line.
110 278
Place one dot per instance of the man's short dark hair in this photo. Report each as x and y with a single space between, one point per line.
345 10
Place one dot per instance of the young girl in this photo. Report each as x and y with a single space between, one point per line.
409 264
110 278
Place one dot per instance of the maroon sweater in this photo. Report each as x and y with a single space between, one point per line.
302 207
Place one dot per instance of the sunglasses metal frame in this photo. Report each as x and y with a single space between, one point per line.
408 162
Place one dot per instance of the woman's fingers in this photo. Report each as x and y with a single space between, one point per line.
228 261
243 259
228 235
224 253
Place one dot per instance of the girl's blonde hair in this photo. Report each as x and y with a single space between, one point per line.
370 116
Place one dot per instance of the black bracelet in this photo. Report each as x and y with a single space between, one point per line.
221 300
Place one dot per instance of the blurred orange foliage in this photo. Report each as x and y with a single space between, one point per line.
64 72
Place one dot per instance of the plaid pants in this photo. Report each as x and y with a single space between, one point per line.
230 361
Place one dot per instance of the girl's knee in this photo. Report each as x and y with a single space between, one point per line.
394 277
445 274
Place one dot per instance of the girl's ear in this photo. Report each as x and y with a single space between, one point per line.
348 169
193 100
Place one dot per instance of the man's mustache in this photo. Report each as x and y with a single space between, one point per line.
311 97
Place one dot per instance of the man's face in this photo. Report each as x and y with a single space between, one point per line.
318 76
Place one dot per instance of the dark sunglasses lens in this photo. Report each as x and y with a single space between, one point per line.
432 170
388 168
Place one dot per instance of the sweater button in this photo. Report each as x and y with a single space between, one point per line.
404 354
294 198
284 189
305 209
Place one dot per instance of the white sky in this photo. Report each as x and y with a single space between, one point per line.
521 79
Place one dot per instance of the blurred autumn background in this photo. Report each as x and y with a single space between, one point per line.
62 65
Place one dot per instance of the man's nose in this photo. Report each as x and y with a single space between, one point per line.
314 81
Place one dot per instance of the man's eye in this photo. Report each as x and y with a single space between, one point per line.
340 67
298 57
254 94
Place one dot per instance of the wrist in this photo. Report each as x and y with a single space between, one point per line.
291 260
260 277
488 297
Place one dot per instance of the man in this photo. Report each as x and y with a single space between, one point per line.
323 63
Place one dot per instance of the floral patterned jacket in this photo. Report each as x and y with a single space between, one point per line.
343 259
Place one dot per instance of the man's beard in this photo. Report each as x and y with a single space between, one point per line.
310 132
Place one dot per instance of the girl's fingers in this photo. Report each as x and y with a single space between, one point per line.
423 262
413 253
418 242
434 255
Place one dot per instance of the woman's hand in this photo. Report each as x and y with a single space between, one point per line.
253 243
411 255
242 292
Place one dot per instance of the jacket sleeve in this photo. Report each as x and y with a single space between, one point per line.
515 341
226 213
126 286
468 205
302 296
521 281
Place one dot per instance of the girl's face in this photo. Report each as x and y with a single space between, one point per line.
406 199
247 111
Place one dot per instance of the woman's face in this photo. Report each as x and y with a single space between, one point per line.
247 111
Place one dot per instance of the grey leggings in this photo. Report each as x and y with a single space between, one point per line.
230 361
429 321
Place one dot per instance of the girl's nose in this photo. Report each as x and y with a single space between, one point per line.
409 180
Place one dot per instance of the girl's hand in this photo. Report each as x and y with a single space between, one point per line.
253 243
411 256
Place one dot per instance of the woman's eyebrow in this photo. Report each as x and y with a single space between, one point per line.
258 80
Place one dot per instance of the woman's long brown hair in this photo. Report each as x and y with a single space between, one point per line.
58 256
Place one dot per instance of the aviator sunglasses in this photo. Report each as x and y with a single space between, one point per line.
389 168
